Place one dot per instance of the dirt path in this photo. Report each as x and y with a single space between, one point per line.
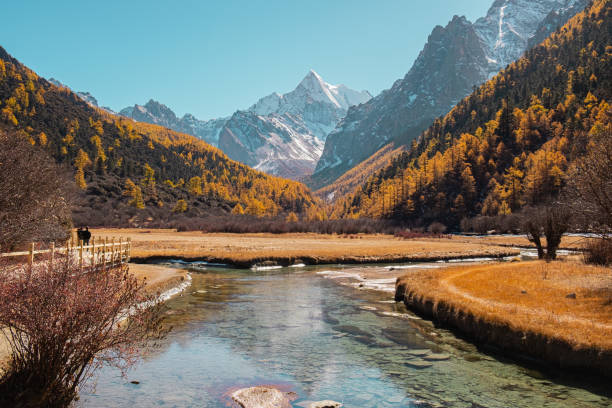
512 308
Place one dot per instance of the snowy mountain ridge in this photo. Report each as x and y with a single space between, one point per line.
306 97
85 96
280 134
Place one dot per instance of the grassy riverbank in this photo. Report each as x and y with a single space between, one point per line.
560 312
245 250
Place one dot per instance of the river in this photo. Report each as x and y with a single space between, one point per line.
300 330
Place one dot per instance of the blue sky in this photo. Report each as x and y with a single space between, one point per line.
210 58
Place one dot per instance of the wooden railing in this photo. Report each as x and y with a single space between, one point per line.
101 253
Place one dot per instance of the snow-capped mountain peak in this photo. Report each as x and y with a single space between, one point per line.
284 134
311 88
318 89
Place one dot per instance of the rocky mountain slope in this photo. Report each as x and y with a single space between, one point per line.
280 134
454 60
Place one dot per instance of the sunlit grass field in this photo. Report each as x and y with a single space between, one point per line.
245 248
564 299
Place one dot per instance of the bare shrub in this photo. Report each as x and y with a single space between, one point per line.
599 252
589 187
34 199
410 234
63 324
437 228
503 224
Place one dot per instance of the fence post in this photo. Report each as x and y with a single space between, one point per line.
129 250
112 252
120 250
81 255
93 252
31 256
52 258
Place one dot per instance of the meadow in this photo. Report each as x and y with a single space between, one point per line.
286 249
562 300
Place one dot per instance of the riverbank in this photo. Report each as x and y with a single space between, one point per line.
559 313
247 250
159 279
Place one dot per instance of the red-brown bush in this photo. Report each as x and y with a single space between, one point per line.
62 324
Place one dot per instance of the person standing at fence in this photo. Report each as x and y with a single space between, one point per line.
80 235
86 236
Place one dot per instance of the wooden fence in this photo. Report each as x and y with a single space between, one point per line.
100 253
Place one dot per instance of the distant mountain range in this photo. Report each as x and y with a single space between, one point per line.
328 130
280 134
455 59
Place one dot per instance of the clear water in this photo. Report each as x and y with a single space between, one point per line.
297 330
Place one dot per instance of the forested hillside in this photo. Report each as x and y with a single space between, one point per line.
126 168
508 144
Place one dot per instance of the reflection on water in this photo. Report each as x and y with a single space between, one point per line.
296 329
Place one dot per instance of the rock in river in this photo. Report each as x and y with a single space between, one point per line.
437 357
355 331
324 404
418 363
261 397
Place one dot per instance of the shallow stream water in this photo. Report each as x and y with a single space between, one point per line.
299 330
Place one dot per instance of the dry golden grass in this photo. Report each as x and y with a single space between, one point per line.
247 248
569 242
528 296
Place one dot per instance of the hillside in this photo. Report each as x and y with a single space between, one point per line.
358 175
128 169
510 142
